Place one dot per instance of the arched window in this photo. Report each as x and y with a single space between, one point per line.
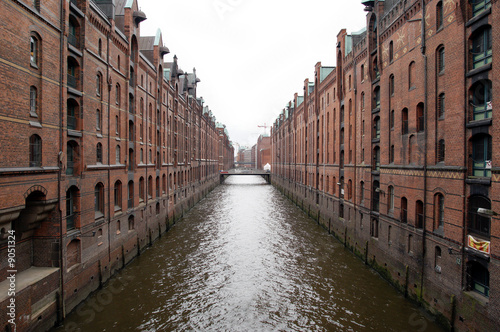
99 153
130 194
437 259
99 47
481 155
73 253
164 184
376 97
391 51
480 100
157 186
440 59
374 228
99 200
376 128
98 84
73 115
72 156
73 73
441 106
71 207
141 189
150 187
420 117
391 154
362 192
439 15
98 120
439 211
118 153
481 49
391 85
35 149
376 159
118 94
34 51
404 121
74 33
411 75
33 101
390 199
118 195
349 189
376 196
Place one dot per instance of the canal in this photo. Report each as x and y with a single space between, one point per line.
246 259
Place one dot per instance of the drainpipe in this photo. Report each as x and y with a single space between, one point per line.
110 86
355 106
61 307
426 127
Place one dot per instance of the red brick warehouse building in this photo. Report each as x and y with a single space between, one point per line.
394 151
104 145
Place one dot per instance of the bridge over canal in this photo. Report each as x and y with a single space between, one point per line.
247 171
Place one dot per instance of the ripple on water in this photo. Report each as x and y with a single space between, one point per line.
246 259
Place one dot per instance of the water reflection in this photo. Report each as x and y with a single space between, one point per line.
246 259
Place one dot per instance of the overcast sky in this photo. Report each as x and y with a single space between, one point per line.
251 55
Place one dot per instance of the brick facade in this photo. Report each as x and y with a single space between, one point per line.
104 146
393 151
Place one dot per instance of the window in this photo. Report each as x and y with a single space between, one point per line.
478 278
376 97
99 47
404 210
118 195
349 190
376 128
410 243
157 186
71 196
34 51
420 117
362 73
99 153
481 47
99 200
390 199
131 223
419 214
35 151
478 6
391 85
438 211
150 187
73 35
33 101
98 84
480 100
98 120
440 60
391 51
440 106
118 96
411 75
72 74
362 192
376 159
131 159
478 224
440 151
374 228
362 100
72 154
391 154
118 152
72 111
437 258
404 121
481 155
141 189
376 196
439 15
117 126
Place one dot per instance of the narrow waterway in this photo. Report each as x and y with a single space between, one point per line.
246 259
